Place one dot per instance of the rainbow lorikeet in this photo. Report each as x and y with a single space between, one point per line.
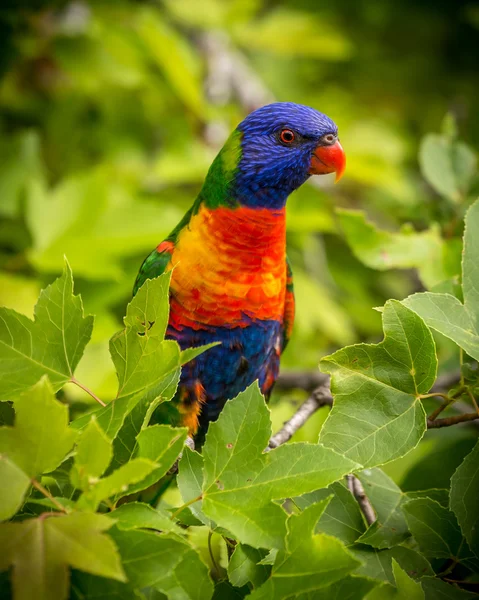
231 281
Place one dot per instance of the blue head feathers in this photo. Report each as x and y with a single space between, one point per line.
278 141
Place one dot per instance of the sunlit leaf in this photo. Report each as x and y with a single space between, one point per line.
448 165
240 481
50 345
37 443
166 563
41 550
406 249
377 414
444 312
309 561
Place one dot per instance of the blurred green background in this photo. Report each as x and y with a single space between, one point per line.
111 112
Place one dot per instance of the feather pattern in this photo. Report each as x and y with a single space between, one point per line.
231 281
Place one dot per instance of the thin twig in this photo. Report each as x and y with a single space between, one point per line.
321 396
357 490
87 390
37 485
448 421
435 413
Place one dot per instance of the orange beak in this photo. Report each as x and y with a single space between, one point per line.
328 159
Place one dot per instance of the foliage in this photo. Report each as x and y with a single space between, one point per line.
110 114
118 545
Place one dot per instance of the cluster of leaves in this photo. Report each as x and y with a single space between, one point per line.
103 113
289 524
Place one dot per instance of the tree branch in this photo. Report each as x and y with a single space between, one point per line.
448 421
357 490
321 396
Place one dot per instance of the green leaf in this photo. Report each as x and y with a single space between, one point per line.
40 551
110 417
350 587
377 564
436 531
243 566
160 444
342 517
240 481
52 344
309 561
172 55
377 389
191 353
37 443
136 515
386 498
407 588
141 355
464 496
91 587
444 312
441 496
93 455
94 219
165 563
406 249
15 484
125 444
448 165
190 482
436 589
119 482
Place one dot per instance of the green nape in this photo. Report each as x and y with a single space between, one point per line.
214 193
217 187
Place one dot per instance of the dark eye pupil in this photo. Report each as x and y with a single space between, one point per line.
287 135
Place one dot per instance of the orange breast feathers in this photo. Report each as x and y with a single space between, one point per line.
229 264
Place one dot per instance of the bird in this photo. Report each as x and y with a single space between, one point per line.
231 281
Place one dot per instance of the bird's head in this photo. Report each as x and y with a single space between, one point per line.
272 152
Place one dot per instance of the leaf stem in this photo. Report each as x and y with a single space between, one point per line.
434 395
87 390
185 505
37 485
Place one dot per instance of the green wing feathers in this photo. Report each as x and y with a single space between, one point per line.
154 264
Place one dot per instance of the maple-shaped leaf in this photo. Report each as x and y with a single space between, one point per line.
308 561
444 312
142 356
52 344
378 414
40 552
241 480
37 443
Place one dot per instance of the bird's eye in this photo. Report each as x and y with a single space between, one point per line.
287 136
329 138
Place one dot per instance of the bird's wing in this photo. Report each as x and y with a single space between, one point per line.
288 316
154 264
